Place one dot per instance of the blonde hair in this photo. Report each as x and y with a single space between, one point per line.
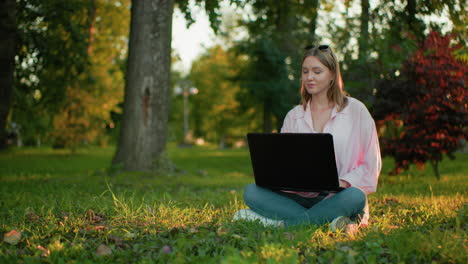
335 94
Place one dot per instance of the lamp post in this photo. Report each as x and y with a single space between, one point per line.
186 91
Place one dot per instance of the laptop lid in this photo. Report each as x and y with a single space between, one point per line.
294 161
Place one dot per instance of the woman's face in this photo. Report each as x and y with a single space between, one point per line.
316 77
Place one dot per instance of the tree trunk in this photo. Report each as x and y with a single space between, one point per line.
284 23
411 14
267 124
313 21
222 141
142 139
435 168
414 24
7 62
364 34
92 28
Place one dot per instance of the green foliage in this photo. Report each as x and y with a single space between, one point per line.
176 114
214 110
85 115
67 205
461 54
211 7
51 52
269 80
63 85
390 40
265 78
395 28
68 69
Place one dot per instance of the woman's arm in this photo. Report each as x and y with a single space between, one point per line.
288 124
367 168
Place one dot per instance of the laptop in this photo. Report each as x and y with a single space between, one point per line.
294 161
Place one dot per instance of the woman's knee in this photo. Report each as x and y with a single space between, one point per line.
250 192
356 195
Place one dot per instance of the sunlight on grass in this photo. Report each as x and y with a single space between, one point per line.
67 205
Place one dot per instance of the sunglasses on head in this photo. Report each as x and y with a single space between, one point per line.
320 47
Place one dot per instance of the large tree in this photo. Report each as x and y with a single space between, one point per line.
144 126
142 140
7 58
364 31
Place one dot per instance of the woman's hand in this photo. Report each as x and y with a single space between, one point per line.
344 184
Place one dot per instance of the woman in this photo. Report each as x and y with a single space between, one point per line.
325 109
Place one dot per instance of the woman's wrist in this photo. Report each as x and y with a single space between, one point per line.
344 184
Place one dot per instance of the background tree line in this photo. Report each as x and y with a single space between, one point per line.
71 66
68 70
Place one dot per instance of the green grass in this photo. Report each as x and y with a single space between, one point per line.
68 205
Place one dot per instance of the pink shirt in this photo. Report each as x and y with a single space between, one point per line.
357 150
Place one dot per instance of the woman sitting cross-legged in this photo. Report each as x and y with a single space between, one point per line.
325 109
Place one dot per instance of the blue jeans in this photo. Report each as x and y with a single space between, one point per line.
297 210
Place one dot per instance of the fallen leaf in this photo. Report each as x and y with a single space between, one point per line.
90 214
95 228
45 251
94 217
64 215
32 217
390 228
103 250
167 249
98 218
13 237
100 227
